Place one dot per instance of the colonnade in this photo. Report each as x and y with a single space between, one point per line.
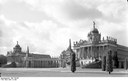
43 63
90 51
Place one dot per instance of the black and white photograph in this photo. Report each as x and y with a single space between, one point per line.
63 38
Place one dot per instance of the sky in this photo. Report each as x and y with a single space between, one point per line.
47 25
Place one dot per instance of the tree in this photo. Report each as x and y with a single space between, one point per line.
109 65
104 63
115 59
73 62
3 60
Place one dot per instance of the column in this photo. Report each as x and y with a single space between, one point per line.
91 52
85 53
103 51
108 46
56 63
119 64
29 63
41 64
99 52
76 53
82 52
88 52
94 51
79 53
37 63
97 55
61 62
34 63
45 63
49 63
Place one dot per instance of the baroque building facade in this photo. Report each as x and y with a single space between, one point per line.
65 57
31 60
95 48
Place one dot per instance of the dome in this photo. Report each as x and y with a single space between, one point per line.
95 30
17 46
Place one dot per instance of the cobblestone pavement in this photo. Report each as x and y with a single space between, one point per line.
60 72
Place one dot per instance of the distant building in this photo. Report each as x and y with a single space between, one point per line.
31 60
65 56
95 48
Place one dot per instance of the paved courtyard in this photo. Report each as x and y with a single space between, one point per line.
60 72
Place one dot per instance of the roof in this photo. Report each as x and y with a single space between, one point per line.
31 55
121 47
95 30
17 45
39 55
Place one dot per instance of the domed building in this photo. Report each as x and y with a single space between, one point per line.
65 56
31 60
93 49
17 48
93 36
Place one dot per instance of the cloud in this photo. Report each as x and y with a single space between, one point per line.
20 12
114 11
76 11
64 19
5 33
69 12
43 37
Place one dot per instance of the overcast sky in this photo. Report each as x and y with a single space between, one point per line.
47 25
